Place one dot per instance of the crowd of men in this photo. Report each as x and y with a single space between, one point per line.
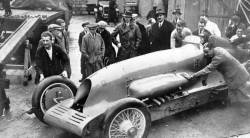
96 42
97 50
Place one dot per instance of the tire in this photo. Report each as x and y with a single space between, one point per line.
57 86
128 108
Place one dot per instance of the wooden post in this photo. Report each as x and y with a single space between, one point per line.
4 84
27 63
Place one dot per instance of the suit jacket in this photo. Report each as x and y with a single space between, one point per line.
144 45
109 49
160 37
234 73
56 66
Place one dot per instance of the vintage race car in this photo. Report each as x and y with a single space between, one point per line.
122 99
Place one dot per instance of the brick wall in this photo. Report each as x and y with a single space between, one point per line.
79 7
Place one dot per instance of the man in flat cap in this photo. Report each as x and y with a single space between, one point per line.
93 50
60 40
81 35
84 32
62 23
161 32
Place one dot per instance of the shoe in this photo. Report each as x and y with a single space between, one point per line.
30 111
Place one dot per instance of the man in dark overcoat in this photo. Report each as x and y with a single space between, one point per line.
161 32
129 36
144 45
109 55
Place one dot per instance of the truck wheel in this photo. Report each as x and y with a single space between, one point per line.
127 120
49 92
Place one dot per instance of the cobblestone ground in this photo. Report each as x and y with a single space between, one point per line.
210 121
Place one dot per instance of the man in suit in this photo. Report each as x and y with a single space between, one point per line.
50 59
161 32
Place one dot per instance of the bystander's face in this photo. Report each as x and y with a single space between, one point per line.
92 30
160 17
201 26
63 25
179 28
239 32
204 37
100 29
47 43
127 19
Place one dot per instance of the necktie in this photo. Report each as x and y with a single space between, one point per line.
159 25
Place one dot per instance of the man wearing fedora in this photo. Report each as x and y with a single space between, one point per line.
130 37
161 32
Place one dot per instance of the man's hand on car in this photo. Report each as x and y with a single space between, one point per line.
64 74
188 77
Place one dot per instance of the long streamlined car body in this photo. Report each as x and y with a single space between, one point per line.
125 97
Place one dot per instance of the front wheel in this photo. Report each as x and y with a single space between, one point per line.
51 91
127 121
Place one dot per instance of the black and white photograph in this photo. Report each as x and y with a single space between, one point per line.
124 68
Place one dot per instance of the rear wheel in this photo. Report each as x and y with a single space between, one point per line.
51 91
127 121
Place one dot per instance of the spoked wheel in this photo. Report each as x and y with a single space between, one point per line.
53 94
50 92
128 122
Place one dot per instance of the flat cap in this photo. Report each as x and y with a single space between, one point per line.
92 25
85 23
54 27
102 24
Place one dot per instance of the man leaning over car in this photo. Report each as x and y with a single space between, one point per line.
234 73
